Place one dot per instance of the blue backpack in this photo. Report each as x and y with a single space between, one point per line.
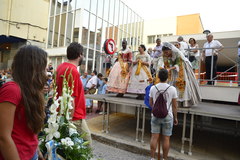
146 98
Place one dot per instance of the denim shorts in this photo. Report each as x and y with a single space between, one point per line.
163 126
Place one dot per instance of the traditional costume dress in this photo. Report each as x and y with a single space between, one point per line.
119 74
140 75
182 77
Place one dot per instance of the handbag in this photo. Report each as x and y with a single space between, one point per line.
192 58
92 91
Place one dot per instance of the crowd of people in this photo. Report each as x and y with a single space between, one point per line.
169 69
25 97
5 76
94 83
132 74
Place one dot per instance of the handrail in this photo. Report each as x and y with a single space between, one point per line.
211 48
220 53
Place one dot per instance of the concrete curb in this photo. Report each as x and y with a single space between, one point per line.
124 145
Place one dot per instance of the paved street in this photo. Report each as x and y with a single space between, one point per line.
105 152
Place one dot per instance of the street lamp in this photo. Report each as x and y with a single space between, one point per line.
206 32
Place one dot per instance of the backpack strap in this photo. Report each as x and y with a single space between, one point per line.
156 88
164 90
167 89
171 101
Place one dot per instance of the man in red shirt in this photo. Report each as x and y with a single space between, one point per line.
75 57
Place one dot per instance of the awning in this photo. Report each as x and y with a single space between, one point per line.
10 39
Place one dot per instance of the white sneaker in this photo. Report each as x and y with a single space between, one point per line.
152 159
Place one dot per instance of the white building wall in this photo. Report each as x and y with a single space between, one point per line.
91 22
159 27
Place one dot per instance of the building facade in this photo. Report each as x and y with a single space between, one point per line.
229 39
91 22
21 22
171 26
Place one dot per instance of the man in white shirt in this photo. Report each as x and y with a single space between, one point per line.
208 54
150 52
92 83
157 55
238 63
91 89
183 46
162 127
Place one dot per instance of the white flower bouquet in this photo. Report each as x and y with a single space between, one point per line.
60 138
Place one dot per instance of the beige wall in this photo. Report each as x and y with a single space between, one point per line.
172 25
34 12
159 26
3 15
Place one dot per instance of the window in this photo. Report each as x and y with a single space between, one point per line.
89 18
151 39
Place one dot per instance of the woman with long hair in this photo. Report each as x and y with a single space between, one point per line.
22 105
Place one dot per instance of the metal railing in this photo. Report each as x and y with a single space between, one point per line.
223 73
216 79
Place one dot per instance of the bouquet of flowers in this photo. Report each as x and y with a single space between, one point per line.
60 138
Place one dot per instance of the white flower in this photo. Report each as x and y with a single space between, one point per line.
54 107
72 131
67 115
63 103
67 142
70 143
52 131
70 105
52 118
63 141
68 138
